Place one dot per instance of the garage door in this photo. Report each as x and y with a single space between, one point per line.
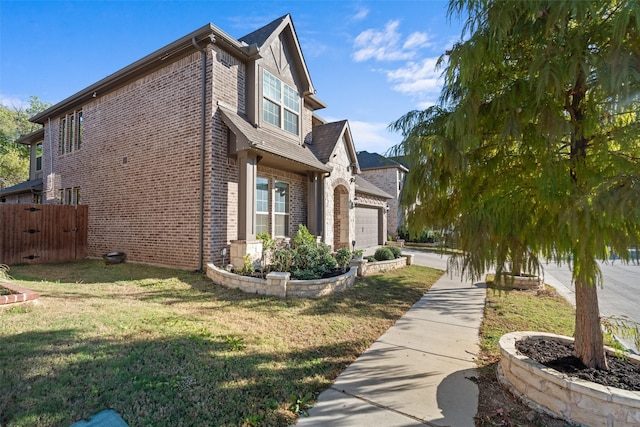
367 227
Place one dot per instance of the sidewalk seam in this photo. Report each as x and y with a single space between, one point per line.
386 408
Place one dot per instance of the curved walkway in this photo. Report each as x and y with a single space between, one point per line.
420 372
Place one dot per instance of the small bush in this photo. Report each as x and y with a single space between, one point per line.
370 258
343 257
397 253
303 237
282 260
383 254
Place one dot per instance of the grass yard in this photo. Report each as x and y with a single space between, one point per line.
510 311
165 347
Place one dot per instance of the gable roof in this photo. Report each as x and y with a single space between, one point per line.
264 37
376 161
364 186
326 136
268 143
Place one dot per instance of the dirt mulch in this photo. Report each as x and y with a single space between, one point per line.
559 356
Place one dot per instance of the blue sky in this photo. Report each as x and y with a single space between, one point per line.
370 61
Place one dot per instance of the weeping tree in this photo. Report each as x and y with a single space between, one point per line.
533 152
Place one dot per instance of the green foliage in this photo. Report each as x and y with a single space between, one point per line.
300 404
267 242
4 273
248 268
533 152
396 251
343 257
312 261
303 236
14 123
383 254
282 259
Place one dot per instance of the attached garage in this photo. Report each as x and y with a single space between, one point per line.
368 227
370 212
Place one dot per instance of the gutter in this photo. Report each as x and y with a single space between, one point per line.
203 130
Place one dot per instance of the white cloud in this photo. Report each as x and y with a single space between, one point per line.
360 14
386 44
418 79
373 137
13 101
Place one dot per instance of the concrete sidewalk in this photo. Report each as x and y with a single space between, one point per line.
418 372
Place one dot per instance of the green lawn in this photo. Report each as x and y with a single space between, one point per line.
165 347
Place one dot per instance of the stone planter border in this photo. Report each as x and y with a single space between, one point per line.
280 284
366 268
574 400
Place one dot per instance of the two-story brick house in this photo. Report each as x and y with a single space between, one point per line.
388 175
196 148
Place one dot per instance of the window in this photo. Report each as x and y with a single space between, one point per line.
70 196
280 104
281 209
262 205
71 132
38 156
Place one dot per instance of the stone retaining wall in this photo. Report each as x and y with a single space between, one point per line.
574 400
280 284
366 268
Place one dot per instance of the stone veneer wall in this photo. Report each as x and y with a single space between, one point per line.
574 400
366 268
280 285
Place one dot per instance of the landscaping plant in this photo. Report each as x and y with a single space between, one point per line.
383 254
533 151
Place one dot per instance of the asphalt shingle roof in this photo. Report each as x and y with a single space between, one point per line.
364 186
325 138
260 140
376 161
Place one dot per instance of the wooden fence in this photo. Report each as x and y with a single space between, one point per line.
32 233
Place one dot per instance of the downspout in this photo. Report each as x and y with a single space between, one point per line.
202 149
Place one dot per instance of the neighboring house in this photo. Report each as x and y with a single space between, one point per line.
184 156
29 191
388 175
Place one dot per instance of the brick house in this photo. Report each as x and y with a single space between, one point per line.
193 150
29 191
388 175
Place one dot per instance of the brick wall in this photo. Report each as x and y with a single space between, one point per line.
139 166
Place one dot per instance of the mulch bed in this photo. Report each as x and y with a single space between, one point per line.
559 355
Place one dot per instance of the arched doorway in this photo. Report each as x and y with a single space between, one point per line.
340 217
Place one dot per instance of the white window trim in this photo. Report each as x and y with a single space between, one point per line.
281 104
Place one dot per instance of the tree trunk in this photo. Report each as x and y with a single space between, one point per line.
589 344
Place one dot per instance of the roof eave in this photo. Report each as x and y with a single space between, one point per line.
207 34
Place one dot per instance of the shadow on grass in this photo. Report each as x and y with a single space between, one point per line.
379 295
56 378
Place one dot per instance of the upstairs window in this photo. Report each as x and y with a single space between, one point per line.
280 104
38 156
71 132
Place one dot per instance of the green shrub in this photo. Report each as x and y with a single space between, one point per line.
282 260
397 253
383 254
343 257
303 236
370 258
312 261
